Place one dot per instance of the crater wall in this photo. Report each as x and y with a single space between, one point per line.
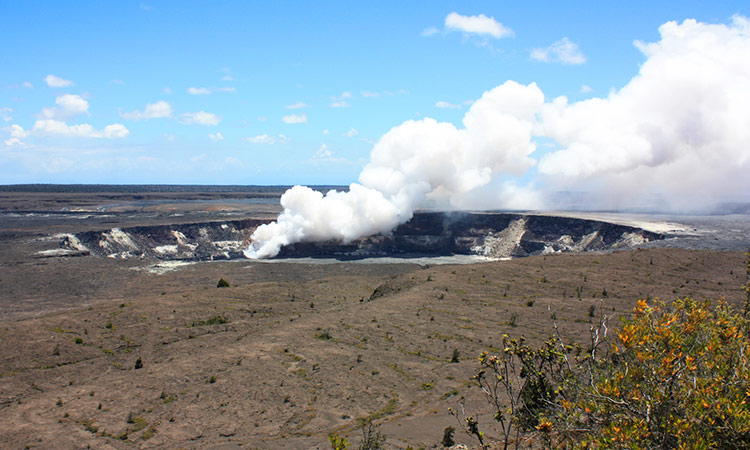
495 235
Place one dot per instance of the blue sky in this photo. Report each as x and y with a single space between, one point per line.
284 92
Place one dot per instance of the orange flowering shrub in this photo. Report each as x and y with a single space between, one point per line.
677 376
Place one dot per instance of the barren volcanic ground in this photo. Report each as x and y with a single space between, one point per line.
142 352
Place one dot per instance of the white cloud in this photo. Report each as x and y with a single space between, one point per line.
429 31
156 110
298 105
200 118
481 25
351 133
370 94
198 91
267 139
216 137
262 118
17 131
28 85
340 104
5 114
563 51
227 78
167 90
325 132
585 89
58 128
323 153
13 142
446 105
68 105
295 118
57 82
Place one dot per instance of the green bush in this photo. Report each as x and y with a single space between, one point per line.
222 283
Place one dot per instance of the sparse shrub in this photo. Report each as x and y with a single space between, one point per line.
138 363
78 341
529 303
222 283
216 320
211 379
592 311
513 320
371 438
455 356
676 377
324 335
448 440
604 292
338 442
427 386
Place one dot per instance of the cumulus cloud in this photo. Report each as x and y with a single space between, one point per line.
479 25
68 106
351 133
267 139
58 128
57 82
295 118
198 91
563 51
158 110
340 104
28 85
585 89
200 118
216 137
678 131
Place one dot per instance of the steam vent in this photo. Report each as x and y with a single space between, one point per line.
494 235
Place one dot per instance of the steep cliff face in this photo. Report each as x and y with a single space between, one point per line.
495 235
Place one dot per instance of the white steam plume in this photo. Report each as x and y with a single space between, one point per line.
680 129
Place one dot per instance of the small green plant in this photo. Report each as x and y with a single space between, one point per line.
529 303
427 386
448 440
592 311
456 355
222 283
78 341
211 379
138 363
338 442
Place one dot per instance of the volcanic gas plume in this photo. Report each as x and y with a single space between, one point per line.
679 131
